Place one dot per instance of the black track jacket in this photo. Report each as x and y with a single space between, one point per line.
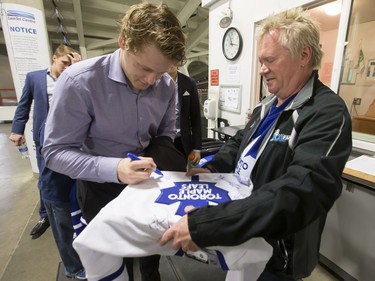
297 178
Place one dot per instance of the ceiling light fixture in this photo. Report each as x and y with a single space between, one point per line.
226 20
333 9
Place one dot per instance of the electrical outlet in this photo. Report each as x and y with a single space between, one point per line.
357 101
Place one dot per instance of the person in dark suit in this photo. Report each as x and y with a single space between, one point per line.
188 139
38 88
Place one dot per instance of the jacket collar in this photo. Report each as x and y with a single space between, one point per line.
302 97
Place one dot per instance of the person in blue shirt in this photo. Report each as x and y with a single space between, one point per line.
106 107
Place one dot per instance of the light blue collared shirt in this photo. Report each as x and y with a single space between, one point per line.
51 82
96 119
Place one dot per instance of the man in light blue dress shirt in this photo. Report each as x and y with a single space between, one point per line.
108 106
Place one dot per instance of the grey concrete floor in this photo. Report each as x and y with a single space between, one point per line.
24 259
21 258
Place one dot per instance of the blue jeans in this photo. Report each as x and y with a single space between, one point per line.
41 164
62 229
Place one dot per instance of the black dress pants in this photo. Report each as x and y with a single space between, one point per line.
149 267
269 276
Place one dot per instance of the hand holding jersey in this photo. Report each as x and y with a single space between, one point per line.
151 208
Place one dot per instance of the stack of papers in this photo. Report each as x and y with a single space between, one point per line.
364 164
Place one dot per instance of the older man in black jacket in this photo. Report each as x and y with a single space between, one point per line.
292 153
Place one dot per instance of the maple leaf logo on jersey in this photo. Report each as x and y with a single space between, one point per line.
195 193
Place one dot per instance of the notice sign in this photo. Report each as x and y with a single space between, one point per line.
26 40
214 77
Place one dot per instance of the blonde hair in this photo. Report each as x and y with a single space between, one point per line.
63 50
297 30
146 23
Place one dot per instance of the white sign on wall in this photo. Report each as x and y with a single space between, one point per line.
230 98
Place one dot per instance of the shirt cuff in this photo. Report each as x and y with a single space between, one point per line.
108 169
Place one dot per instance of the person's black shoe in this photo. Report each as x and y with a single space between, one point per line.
39 228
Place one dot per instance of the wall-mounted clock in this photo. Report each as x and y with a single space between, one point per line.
232 43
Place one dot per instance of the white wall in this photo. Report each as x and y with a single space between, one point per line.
244 19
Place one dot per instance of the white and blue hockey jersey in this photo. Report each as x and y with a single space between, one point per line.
132 224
